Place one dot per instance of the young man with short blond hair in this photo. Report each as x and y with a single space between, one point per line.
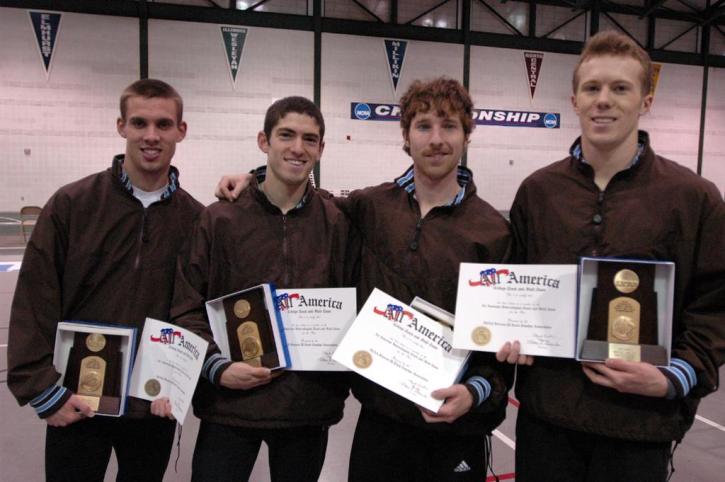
104 250
614 197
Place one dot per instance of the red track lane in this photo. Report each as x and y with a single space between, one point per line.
510 476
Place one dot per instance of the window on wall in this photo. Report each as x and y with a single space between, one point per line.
295 7
687 5
717 41
634 3
370 10
429 13
195 3
510 18
628 24
678 36
561 23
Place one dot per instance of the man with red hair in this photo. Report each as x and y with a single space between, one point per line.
614 197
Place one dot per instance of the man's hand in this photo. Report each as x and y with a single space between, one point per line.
72 411
231 186
458 401
627 377
161 407
509 353
241 376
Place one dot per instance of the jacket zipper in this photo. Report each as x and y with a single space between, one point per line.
284 251
137 262
416 236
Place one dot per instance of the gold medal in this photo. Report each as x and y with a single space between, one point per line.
152 387
251 348
91 382
623 322
242 308
250 342
626 281
481 335
623 328
362 359
91 376
95 342
248 328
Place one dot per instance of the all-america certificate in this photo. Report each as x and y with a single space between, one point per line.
315 320
534 304
401 349
168 364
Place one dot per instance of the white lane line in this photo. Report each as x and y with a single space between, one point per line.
710 423
504 439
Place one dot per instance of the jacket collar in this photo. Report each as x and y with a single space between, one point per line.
121 175
642 144
260 174
465 180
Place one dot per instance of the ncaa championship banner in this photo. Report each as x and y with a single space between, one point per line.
483 117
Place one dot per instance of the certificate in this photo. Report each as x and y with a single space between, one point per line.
401 349
168 364
534 304
315 320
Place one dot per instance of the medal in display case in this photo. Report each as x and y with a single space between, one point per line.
628 316
247 327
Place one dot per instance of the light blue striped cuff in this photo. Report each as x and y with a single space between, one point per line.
681 375
481 388
49 399
212 365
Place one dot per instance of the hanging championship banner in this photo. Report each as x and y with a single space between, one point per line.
45 26
395 53
656 69
367 111
532 62
233 38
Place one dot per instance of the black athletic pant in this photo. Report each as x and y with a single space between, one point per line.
224 453
555 454
386 450
81 451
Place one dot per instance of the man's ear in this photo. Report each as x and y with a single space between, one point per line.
574 104
263 142
406 141
121 127
182 131
646 104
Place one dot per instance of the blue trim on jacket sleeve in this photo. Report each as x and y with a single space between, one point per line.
681 375
481 387
50 400
210 369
